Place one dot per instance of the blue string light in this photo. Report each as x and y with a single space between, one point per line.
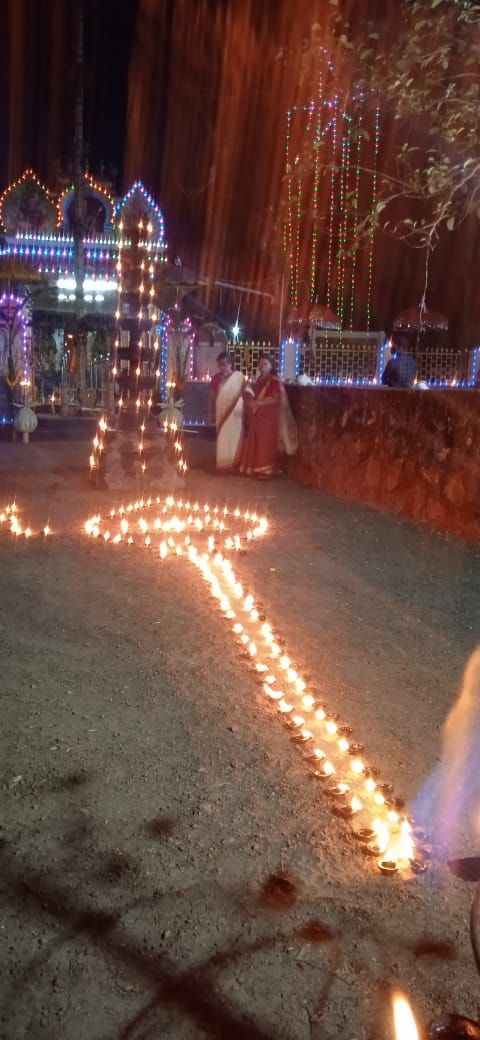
162 333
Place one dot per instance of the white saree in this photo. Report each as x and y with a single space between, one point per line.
229 416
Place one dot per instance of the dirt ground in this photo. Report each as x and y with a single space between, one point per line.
150 796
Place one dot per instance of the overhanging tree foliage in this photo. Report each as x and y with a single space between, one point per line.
422 62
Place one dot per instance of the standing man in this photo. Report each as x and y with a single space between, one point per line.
225 408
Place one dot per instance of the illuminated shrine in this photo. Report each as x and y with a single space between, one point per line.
37 225
37 228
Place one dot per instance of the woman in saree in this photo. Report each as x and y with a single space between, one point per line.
270 426
226 396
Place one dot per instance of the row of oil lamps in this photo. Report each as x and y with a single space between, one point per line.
169 428
356 789
180 524
9 518
338 764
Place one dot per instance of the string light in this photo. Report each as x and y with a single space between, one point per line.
28 175
373 215
155 219
98 189
14 308
324 130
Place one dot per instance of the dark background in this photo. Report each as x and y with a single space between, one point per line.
189 96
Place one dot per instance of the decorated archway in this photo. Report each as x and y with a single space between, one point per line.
99 208
138 206
26 206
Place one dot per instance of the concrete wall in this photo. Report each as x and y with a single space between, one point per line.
412 452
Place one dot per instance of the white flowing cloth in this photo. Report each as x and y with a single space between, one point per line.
287 427
229 416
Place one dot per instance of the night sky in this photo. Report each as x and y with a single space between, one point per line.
189 96
37 96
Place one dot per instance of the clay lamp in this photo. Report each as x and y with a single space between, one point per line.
348 809
366 836
417 865
387 867
356 749
339 790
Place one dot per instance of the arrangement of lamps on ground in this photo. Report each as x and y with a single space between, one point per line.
206 537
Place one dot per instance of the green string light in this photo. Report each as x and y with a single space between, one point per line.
322 124
356 206
372 218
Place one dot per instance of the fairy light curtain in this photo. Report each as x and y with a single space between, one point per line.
331 157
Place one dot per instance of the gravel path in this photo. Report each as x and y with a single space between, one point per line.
168 868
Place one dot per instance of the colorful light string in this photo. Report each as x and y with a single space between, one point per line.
323 130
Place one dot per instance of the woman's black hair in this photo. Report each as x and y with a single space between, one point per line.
266 357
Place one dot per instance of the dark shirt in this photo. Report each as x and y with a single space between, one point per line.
399 371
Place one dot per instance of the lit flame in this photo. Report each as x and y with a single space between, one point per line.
405 1025
401 848
392 834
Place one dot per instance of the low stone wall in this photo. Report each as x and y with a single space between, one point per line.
416 453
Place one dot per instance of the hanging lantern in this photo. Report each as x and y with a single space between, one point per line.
419 319
323 317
